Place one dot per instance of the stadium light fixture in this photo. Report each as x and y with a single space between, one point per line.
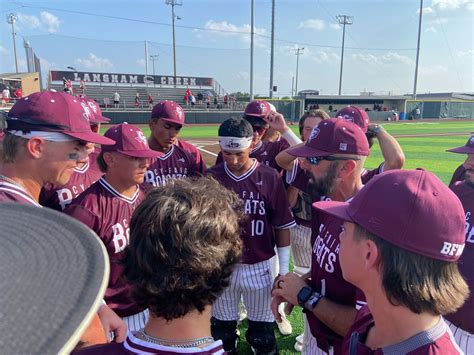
343 20
72 68
174 3
11 19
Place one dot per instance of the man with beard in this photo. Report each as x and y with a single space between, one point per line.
334 155
462 321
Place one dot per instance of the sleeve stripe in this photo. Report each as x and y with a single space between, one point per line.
286 226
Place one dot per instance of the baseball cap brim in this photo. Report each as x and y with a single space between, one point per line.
90 137
63 281
462 150
335 208
170 120
100 119
305 151
141 153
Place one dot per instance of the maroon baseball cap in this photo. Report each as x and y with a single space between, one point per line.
258 108
411 209
130 140
97 116
54 112
468 148
355 115
169 111
333 136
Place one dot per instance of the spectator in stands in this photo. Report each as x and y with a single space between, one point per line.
82 87
215 102
208 100
150 101
18 93
137 100
234 102
116 99
200 98
192 99
226 101
5 96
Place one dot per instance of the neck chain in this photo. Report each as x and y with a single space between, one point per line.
185 343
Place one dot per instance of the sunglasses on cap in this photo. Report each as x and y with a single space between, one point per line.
259 130
316 160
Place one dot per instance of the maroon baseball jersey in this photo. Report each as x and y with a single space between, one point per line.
464 317
175 164
108 213
134 345
58 197
458 174
326 277
191 149
366 175
265 204
15 193
437 340
265 153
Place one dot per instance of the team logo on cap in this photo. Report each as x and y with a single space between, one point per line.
179 112
87 111
314 134
471 141
141 138
92 106
347 118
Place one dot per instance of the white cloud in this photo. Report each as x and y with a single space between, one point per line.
324 56
94 62
383 59
28 21
466 54
50 21
431 29
242 75
433 70
230 30
314 24
335 26
4 51
426 10
451 4
46 21
140 62
470 6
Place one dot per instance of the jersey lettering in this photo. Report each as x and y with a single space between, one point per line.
121 236
469 229
159 177
322 249
452 249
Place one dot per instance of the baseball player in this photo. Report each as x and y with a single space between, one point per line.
184 245
85 174
267 224
265 152
167 119
107 207
462 321
403 257
45 141
334 155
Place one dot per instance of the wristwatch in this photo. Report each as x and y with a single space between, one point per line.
376 128
308 299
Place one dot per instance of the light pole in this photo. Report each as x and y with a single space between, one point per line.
153 58
11 19
252 22
272 48
174 3
343 20
298 51
418 49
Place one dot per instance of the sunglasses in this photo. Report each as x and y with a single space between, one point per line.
316 160
259 130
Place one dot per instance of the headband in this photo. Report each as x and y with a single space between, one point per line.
235 144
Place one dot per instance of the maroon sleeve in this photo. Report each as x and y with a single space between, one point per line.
219 158
83 215
458 174
369 174
281 216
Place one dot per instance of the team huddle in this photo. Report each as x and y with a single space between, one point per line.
382 258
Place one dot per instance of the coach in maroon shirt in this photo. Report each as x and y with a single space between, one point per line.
167 119
402 236
334 155
85 174
107 207
462 321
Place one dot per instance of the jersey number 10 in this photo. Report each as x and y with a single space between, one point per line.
257 227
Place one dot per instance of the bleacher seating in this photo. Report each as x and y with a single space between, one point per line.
128 93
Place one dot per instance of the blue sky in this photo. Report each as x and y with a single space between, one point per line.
379 57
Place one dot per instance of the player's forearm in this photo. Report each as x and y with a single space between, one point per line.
336 316
282 237
391 150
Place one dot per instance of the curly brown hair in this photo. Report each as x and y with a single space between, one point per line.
184 244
